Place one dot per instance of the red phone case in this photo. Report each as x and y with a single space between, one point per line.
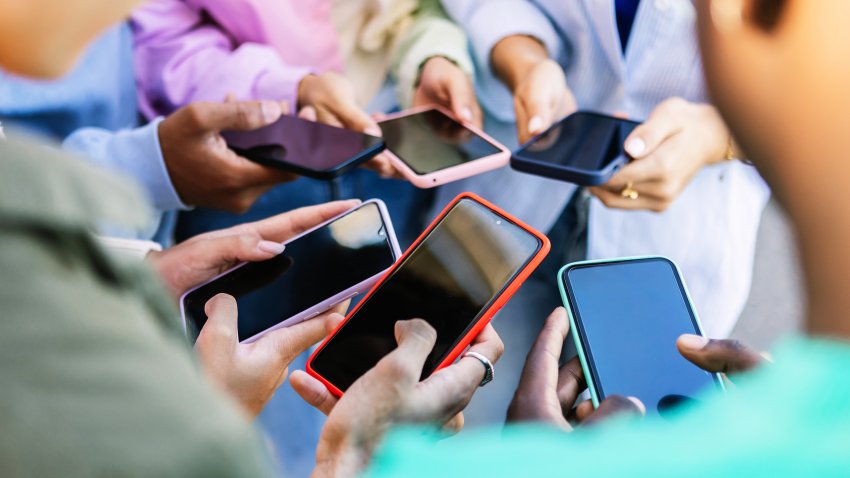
503 297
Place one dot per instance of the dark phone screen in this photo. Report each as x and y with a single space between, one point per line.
431 141
584 141
308 144
448 280
629 316
311 269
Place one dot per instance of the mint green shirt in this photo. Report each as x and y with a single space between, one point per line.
789 419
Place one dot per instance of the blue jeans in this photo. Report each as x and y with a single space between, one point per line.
289 423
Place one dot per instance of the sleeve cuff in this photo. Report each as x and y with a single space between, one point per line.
135 153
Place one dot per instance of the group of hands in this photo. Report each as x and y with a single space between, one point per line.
667 150
391 393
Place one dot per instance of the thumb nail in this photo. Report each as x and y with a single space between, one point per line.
271 110
271 247
635 147
694 342
373 130
641 407
535 124
466 113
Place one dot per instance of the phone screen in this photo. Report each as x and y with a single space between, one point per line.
585 141
431 141
312 269
629 315
306 144
449 280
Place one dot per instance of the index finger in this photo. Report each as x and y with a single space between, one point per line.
289 224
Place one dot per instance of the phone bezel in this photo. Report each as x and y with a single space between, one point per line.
330 302
594 383
487 312
452 173
579 176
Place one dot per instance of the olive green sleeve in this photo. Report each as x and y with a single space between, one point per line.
432 33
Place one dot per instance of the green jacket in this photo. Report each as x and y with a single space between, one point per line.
96 378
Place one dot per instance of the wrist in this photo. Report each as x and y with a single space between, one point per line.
340 461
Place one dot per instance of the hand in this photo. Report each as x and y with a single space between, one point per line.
546 393
719 356
674 143
540 98
205 256
335 103
392 393
251 373
443 83
203 170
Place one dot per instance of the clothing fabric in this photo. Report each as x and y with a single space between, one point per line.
765 427
203 50
98 379
710 230
92 110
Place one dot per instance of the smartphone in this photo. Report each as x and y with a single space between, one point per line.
430 147
625 317
456 276
303 147
584 148
319 269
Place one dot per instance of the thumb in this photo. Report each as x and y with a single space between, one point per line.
416 339
294 340
236 115
220 332
462 98
242 247
726 356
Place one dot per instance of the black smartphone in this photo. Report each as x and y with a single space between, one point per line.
471 259
584 148
626 315
306 148
318 269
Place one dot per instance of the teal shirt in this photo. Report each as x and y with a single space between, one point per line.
789 419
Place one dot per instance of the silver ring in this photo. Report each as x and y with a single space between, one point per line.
489 371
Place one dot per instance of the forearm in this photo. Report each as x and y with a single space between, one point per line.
513 56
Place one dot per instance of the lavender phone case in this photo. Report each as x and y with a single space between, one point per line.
328 303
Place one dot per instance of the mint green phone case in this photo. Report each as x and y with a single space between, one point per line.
582 355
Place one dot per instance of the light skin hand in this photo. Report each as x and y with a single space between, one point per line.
547 392
251 373
391 393
203 170
203 257
677 140
541 95
443 83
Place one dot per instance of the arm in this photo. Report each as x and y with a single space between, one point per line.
181 58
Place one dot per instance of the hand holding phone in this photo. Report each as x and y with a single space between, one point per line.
456 276
626 315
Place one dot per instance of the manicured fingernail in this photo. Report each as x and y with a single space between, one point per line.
535 124
638 404
635 147
694 342
271 110
374 130
271 247
466 113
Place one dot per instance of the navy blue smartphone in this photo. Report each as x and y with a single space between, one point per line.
304 147
584 148
625 317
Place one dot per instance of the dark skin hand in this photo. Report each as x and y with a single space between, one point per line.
547 392
203 170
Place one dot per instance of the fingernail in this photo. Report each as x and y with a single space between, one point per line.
270 110
374 130
694 342
466 113
638 404
535 124
271 247
635 147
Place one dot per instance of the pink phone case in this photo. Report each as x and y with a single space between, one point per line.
330 302
454 173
